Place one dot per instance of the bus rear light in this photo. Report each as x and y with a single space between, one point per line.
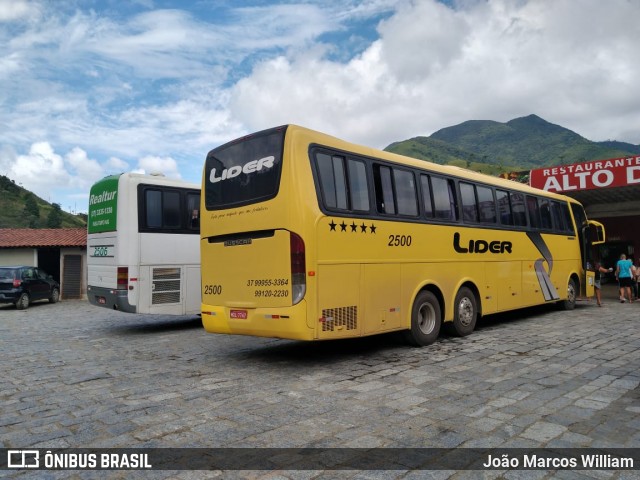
123 278
298 271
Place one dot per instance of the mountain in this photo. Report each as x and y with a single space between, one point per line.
521 143
19 208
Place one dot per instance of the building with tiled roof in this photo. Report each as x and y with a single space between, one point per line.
43 237
61 252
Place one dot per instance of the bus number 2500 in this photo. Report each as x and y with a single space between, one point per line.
212 289
399 241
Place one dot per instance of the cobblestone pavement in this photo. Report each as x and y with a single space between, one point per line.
79 376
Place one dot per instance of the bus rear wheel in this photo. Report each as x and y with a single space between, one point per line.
465 315
426 319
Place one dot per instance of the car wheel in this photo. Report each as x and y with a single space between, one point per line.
22 302
55 296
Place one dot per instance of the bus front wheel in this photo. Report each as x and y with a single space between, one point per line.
426 319
572 293
465 315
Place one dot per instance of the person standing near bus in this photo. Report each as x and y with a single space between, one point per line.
634 280
597 284
625 273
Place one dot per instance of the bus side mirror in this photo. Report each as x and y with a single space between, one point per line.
597 232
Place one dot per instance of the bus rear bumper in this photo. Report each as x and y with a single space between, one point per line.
110 298
286 322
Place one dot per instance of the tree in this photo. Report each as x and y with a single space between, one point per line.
31 211
54 220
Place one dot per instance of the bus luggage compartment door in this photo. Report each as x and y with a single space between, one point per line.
338 299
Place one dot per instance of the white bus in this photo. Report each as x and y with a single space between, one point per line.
143 244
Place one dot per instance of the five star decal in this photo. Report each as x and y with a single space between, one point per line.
352 227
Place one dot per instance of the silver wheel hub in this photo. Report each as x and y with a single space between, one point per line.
465 311
426 318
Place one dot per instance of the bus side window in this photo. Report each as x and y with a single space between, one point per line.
469 203
332 180
384 189
534 211
358 187
406 192
567 218
427 202
171 209
486 205
153 208
444 199
193 211
517 207
545 214
504 207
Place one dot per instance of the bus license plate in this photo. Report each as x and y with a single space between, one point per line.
102 300
241 314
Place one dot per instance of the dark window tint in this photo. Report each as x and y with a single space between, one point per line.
545 214
384 189
153 208
168 209
171 210
504 207
406 192
486 205
395 191
444 199
343 187
534 211
567 217
518 209
193 211
332 180
358 186
469 205
244 172
427 203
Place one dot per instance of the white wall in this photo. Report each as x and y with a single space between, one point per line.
19 256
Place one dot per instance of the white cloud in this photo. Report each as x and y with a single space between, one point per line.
51 175
164 165
11 10
572 63
155 89
115 164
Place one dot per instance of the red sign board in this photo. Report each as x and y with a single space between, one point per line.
615 172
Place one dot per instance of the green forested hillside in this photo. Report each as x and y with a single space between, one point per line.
19 208
522 143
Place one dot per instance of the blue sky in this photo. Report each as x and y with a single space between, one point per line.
91 88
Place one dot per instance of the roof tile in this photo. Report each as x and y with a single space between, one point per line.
43 237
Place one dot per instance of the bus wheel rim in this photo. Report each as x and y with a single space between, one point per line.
465 312
571 292
426 318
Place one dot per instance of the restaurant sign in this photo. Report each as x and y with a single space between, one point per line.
615 172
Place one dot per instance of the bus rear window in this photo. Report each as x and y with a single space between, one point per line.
245 171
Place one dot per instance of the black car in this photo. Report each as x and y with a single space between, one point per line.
22 285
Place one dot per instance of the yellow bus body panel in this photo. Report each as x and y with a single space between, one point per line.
363 273
287 323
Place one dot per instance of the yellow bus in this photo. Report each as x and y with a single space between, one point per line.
305 236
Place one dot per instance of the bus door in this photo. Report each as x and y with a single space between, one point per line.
592 234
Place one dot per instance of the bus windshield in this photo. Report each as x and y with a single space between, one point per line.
245 171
